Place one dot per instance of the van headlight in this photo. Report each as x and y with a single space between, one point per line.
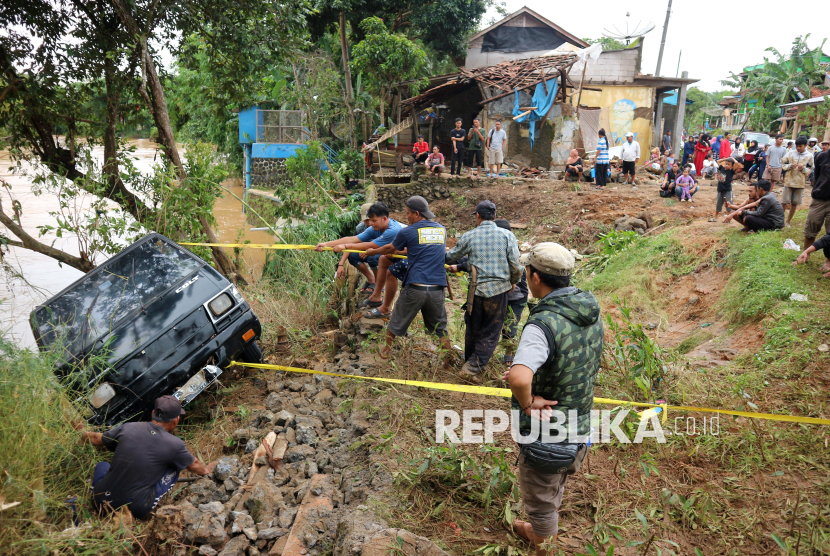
102 395
221 304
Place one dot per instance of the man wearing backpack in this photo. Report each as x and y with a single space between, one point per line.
497 144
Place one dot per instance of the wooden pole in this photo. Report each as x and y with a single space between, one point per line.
581 83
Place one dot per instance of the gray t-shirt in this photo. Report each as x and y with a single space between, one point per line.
497 139
533 348
775 155
144 453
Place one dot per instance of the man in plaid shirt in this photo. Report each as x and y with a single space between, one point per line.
494 252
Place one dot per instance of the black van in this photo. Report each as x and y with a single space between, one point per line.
161 320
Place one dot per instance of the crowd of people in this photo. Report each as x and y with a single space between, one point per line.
467 148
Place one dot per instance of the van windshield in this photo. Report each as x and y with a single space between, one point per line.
99 301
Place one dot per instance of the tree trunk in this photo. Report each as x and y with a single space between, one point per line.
344 50
156 104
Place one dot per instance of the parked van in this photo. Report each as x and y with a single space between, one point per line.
748 136
155 319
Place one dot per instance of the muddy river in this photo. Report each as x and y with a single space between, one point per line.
35 277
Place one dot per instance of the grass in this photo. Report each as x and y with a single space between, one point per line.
43 463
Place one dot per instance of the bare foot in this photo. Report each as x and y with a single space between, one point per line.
825 267
827 275
385 352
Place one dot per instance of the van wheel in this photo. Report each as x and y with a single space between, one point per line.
252 353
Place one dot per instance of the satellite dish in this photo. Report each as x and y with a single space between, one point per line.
631 32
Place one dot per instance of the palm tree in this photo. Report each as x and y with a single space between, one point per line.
779 80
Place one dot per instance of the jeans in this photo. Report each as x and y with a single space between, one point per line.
457 157
165 484
757 168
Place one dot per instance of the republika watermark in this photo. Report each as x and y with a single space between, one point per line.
478 426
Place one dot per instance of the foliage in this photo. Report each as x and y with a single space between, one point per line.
385 58
634 356
816 117
607 43
463 478
609 245
43 463
316 88
695 117
441 26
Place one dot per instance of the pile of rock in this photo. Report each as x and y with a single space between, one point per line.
431 188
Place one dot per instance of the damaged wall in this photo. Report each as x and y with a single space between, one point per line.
629 108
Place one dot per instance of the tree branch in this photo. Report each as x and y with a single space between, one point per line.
28 242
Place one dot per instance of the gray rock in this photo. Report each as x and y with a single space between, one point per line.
273 402
283 419
271 533
236 546
253 551
202 528
264 500
286 517
309 420
204 492
299 453
225 468
245 524
206 550
251 446
311 469
305 435
214 507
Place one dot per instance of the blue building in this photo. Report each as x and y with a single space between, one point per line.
269 137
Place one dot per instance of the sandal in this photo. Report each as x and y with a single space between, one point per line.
711 219
376 314
368 288
369 303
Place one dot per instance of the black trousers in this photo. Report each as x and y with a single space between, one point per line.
457 157
757 223
601 174
420 157
483 329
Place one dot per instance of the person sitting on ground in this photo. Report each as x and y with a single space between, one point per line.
727 168
768 216
382 230
684 182
824 245
695 187
798 165
420 150
422 290
435 162
668 185
667 159
710 167
573 166
751 202
147 461
653 163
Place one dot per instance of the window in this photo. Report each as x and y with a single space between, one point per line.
280 126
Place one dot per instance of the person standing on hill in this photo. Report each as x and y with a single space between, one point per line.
667 141
726 146
475 139
798 165
494 268
457 136
555 368
601 166
630 156
775 154
688 151
702 149
819 213
497 146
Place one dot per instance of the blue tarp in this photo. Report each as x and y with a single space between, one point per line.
542 102
672 99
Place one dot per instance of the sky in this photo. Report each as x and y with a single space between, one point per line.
732 38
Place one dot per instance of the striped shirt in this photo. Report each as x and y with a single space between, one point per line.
602 151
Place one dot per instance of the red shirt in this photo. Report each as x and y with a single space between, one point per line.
420 147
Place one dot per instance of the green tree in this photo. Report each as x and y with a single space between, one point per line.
607 43
385 58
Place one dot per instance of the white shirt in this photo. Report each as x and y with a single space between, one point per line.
710 164
497 139
738 151
630 151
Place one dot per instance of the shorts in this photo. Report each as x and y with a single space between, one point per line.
356 261
399 268
430 303
629 167
721 198
791 196
495 157
772 174
818 215
476 158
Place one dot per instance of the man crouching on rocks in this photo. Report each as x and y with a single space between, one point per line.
554 368
147 461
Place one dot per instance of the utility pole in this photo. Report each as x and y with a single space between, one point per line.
663 41
678 64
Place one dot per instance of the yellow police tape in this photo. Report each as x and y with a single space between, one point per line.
278 246
505 393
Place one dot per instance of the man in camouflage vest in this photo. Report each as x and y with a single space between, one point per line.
555 367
